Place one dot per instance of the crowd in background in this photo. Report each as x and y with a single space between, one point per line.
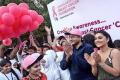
74 56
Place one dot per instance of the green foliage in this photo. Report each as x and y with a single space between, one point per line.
5 2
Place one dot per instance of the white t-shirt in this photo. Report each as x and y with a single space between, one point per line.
10 75
51 69
65 74
20 57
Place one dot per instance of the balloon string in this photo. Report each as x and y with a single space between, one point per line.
30 37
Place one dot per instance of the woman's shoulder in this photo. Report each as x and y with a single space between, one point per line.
115 52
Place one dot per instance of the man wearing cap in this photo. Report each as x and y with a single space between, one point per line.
74 57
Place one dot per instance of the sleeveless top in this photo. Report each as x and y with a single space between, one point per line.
102 74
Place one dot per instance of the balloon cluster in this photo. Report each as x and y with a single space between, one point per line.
16 20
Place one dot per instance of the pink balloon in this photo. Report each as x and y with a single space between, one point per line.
15 10
2 30
17 23
40 19
34 26
16 34
33 14
9 32
18 19
24 5
11 4
1 36
0 21
23 8
23 11
24 29
16 28
7 42
8 19
6 31
3 9
26 20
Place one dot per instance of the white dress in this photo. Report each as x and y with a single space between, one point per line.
65 74
51 69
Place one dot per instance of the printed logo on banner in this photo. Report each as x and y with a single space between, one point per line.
54 13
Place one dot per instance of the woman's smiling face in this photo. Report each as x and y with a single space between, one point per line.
100 40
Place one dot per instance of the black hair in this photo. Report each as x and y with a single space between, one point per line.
117 43
107 35
40 46
46 45
32 47
67 33
61 37
8 52
25 72
61 44
3 62
89 38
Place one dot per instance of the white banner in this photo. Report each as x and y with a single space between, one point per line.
86 15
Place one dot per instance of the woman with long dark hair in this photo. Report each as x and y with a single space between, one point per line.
105 62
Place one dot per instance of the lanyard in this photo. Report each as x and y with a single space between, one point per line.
8 78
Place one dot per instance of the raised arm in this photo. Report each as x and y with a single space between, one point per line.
48 30
15 50
32 41
66 61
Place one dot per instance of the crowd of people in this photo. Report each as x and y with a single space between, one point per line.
74 56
